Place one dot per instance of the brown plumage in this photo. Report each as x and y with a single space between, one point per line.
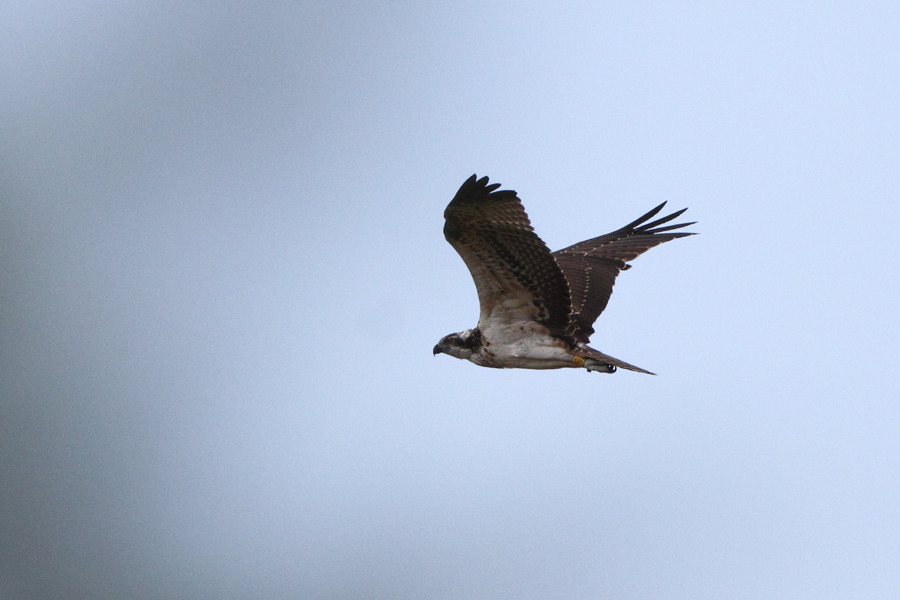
493 235
591 267
521 284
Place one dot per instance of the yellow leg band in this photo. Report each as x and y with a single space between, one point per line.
579 362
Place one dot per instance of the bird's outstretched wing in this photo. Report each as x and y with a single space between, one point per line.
515 274
591 266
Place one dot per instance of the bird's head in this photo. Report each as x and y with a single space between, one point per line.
460 345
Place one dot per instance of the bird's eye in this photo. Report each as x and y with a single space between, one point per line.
453 341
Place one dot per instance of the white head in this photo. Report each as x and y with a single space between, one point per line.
460 345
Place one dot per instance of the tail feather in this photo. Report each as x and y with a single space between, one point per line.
609 362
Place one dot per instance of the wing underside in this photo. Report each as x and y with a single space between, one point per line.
591 266
516 276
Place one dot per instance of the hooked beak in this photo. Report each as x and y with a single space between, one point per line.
437 350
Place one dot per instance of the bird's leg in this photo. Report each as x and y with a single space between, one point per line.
595 365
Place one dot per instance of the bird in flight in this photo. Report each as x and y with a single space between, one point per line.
538 307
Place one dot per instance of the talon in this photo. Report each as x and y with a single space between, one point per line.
600 367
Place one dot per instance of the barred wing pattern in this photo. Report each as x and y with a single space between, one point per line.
591 267
516 276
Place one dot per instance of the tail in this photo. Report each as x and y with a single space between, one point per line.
597 361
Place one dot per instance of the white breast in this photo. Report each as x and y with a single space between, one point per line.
526 345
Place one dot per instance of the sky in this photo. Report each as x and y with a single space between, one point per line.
223 273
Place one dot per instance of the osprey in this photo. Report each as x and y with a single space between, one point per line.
537 306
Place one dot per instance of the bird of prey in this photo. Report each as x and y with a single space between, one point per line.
537 306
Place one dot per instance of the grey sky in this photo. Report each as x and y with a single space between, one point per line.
223 273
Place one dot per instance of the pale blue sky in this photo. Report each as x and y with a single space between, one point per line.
223 273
